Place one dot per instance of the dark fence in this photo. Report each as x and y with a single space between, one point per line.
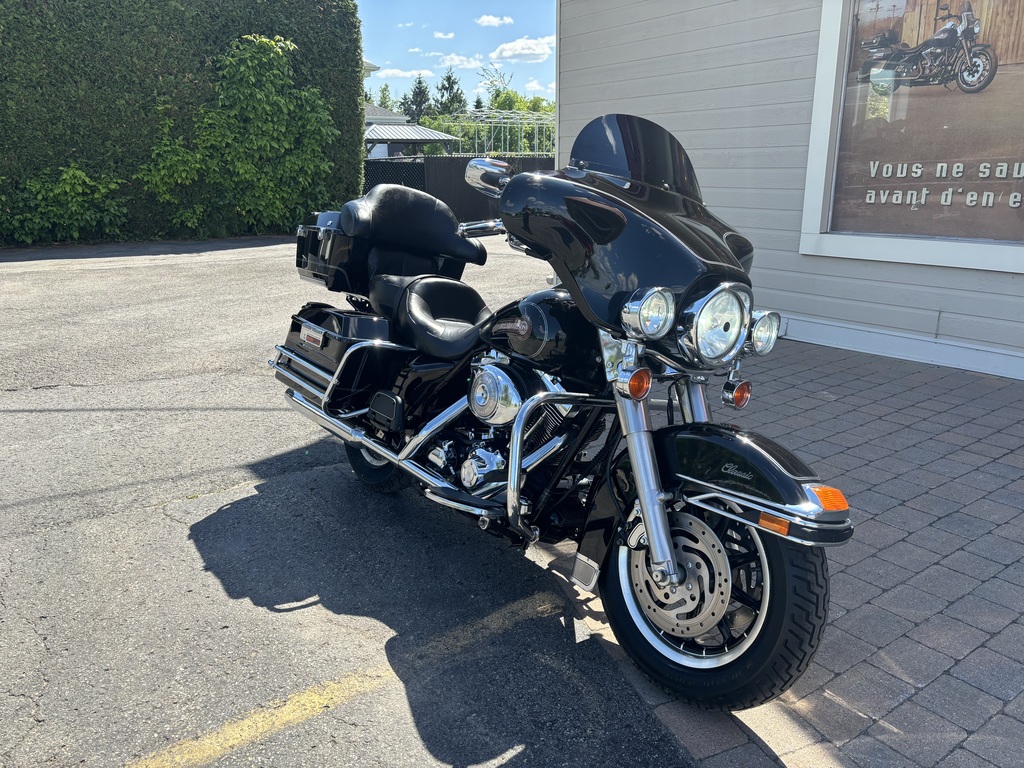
443 176
407 171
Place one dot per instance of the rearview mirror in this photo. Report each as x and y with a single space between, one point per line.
488 176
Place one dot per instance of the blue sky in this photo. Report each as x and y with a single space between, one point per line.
409 38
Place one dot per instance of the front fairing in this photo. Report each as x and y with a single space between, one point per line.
608 235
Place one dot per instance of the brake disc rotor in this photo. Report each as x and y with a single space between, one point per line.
698 603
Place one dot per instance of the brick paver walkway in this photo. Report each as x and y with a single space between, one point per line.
922 663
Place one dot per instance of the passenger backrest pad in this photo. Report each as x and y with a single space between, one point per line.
405 219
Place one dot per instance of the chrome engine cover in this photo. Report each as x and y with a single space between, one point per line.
481 468
494 397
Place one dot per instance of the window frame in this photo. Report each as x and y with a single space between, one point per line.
834 45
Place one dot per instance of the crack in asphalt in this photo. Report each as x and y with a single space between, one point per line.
29 700
157 506
50 386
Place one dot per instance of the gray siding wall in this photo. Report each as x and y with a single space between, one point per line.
734 81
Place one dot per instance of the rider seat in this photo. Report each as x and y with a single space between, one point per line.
441 317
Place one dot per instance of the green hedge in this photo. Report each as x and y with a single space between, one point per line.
90 85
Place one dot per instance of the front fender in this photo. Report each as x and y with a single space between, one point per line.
728 471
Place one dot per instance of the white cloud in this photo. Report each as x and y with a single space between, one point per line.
404 73
407 24
493 21
413 50
456 61
444 35
534 86
525 49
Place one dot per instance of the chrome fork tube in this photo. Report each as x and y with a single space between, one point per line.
635 418
691 393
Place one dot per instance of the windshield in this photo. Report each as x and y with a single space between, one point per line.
626 214
634 148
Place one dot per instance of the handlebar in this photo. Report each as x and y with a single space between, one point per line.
481 228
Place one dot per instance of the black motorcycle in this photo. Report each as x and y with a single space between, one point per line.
705 540
951 54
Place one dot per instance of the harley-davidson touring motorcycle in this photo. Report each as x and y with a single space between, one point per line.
705 541
953 53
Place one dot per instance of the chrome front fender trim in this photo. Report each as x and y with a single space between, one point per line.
804 529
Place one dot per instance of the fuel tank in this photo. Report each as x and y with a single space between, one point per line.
547 329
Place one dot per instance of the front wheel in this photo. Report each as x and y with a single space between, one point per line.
739 628
975 73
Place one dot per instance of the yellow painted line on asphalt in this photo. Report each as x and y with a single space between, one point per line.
322 698
268 720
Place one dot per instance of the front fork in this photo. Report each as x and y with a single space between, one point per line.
622 359
635 418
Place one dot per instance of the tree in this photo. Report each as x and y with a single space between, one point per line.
494 82
259 157
384 98
416 103
479 103
450 98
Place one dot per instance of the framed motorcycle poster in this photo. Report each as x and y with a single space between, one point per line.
924 137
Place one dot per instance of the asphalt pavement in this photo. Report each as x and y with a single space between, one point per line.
190 575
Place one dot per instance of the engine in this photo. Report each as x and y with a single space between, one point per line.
931 58
477 458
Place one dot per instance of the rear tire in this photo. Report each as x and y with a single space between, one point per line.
744 622
378 474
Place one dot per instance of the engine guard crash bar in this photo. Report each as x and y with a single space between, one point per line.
518 508
436 487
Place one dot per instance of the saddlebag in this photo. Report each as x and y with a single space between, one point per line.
323 360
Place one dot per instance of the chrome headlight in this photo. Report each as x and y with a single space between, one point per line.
649 314
764 331
977 26
714 328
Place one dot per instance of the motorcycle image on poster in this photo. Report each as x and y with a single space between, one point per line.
952 54
932 162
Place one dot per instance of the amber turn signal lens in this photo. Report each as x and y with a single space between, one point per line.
640 383
774 524
832 499
736 393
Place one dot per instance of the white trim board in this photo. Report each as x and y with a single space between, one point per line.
905 346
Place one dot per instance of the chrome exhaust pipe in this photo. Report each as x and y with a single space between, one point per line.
351 434
431 480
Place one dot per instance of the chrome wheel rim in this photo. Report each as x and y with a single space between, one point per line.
373 459
976 72
720 605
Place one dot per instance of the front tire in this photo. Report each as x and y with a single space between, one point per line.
975 74
379 474
743 623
